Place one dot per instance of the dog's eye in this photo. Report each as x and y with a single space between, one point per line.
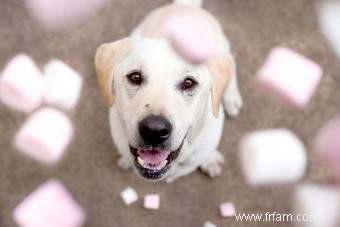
188 83
135 78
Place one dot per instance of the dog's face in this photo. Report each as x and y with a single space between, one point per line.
159 97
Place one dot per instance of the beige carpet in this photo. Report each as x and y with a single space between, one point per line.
89 169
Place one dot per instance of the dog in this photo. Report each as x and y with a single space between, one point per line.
165 114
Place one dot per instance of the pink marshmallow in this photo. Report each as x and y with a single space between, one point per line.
50 205
45 135
151 201
22 84
290 76
192 37
60 14
327 145
227 210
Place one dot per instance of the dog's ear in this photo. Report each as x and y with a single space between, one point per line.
108 55
221 72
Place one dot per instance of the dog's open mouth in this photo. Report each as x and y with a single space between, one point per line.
153 163
152 159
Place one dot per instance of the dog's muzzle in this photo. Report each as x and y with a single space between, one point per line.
151 159
153 164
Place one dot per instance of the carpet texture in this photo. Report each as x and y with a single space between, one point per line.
89 168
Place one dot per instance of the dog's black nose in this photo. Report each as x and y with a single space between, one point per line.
155 129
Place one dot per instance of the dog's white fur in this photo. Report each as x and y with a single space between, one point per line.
191 115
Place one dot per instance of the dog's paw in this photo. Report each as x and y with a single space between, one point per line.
125 162
213 166
169 180
232 102
171 177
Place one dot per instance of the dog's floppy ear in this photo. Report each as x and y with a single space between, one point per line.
107 57
220 70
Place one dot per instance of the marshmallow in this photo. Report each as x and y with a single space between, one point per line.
45 135
129 196
63 85
290 76
329 20
56 15
151 201
327 145
50 205
192 37
22 84
227 210
272 156
209 224
317 206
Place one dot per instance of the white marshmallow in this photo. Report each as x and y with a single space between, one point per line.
22 84
329 20
319 205
209 224
45 135
272 156
63 85
49 205
129 196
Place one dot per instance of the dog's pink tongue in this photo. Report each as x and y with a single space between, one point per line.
153 157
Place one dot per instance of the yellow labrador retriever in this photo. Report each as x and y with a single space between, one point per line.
164 112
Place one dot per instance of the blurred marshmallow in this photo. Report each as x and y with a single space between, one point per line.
63 85
192 37
45 135
327 145
227 210
329 20
50 205
317 206
290 76
209 224
56 15
272 156
151 201
129 196
22 84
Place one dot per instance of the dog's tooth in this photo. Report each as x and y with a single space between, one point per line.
164 163
161 166
140 161
151 166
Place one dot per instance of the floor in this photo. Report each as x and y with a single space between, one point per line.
89 169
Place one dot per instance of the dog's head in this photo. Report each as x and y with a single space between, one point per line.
159 97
